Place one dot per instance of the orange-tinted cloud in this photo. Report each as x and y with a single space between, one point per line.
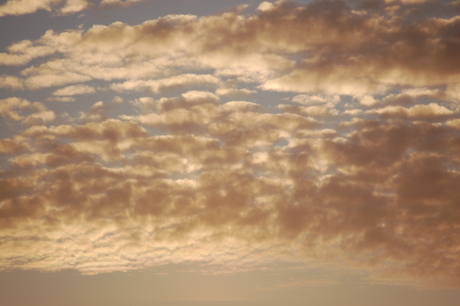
359 164
23 7
382 194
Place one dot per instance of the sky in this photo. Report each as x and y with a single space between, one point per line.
210 152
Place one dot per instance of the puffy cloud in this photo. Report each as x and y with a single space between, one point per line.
39 118
24 51
330 40
10 105
240 176
74 6
367 100
21 7
29 113
11 82
454 123
359 162
265 6
53 73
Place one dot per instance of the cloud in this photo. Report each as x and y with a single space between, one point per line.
382 195
119 3
74 6
178 81
29 113
231 92
11 82
356 162
313 111
61 99
454 123
367 100
24 51
335 57
265 6
316 99
417 111
64 7
9 106
21 7
74 90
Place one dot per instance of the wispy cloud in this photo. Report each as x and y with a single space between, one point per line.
64 7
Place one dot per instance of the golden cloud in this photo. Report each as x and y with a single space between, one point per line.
360 164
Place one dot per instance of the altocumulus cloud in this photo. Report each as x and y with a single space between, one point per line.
63 7
359 165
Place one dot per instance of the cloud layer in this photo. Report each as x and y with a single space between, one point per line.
62 7
360 164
